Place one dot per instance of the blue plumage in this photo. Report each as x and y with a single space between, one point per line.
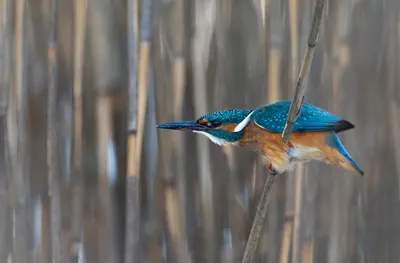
273 118
337 144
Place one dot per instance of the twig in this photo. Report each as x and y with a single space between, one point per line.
132 185
52 163
294 112
297 103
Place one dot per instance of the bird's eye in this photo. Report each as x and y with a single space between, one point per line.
209 124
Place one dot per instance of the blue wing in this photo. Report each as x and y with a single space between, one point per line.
273 118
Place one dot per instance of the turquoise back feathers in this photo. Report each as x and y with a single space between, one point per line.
311 118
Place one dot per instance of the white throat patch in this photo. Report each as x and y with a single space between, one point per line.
214 139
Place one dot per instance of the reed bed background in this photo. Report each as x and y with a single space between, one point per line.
86 177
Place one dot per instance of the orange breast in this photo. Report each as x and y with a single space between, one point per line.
272 146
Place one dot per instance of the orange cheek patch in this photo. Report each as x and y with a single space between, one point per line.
228 127
203 121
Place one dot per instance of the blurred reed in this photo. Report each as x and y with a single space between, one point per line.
54 178
77 173
132 239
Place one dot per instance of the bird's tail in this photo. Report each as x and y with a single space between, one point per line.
342 158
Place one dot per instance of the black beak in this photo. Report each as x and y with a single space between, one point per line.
183 126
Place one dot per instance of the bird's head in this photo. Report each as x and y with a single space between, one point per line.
219 126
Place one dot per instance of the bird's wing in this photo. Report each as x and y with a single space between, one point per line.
273 118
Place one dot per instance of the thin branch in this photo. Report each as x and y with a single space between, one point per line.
294 112
297 103
52 163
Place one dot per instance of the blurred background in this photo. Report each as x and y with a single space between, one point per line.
83 84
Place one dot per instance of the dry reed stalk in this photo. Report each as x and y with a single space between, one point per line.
342 52
307 252
294 38
54 179
275 43
143 75
296 244
132 239
274 75
45 253
4 199
104 136
285 244
205 12
5 81
264 5
136 135
107 67
177 219
294 112
80 14
236 211
18 134
393 104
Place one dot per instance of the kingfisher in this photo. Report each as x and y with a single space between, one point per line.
314 135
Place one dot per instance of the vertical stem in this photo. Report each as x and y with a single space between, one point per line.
137 116
80 12
132 241
45 253
104 138
294 40
18 132
143 74
177 192
5 81
285 244
274 93
201 49
52 161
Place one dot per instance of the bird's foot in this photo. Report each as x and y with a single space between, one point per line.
271 170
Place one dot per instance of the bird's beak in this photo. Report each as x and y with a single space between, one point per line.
183 126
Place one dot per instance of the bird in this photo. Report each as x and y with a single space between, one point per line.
314 136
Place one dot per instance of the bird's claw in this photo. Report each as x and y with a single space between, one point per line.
271 170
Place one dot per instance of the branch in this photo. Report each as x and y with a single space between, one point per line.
294 112
297 103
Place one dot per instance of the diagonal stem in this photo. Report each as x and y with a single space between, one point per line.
294 112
